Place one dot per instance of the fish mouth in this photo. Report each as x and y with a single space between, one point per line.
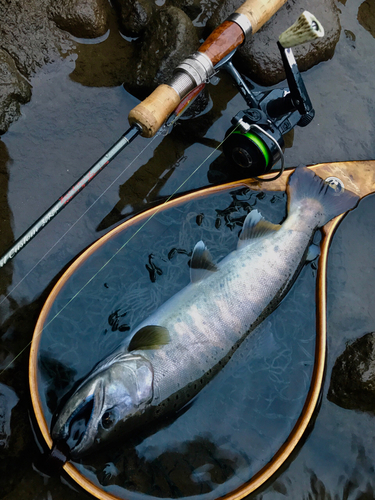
79 432
78 424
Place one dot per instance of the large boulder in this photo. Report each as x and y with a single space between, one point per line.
83 19
14 91
259 57
167 40
353 376
366 16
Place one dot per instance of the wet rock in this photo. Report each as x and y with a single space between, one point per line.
134 15
366 16
29 36
259 57
352 383
32 35
15 439
167 40
196 9
15 90
191 7
83 19
8 400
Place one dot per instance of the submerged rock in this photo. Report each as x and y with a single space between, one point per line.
15 90
84 19
353 376
168 39
259 58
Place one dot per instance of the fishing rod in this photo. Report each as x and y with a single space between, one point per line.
165 105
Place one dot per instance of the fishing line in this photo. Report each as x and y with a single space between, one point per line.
79 218
37 334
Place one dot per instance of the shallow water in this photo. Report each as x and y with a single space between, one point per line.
68 124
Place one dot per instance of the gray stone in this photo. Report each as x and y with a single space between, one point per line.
168 39
352 383
366 16
28 36
134 15
259 57
14 90
83 19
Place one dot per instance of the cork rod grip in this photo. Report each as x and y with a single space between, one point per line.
155 109
259 12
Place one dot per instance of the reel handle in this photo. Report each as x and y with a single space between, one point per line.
306 29
151 113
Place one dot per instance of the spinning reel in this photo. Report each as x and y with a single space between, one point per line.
254 144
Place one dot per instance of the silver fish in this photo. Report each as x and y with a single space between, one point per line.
177 350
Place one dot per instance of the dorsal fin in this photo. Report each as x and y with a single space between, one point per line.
255 226
201 263
149 337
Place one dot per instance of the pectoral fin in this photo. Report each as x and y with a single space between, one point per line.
149 337
201 264
255 226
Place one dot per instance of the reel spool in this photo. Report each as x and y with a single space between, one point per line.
253 153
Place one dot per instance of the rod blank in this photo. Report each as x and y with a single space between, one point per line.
72 192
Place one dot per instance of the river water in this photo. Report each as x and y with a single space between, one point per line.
71 120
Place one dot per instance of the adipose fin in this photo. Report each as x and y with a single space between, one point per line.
255 226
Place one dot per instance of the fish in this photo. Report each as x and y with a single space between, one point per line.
181 346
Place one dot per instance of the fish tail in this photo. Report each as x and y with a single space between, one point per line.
305 185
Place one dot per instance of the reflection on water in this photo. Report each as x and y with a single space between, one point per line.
59 379
188 469
239 421
6 233
147 183
105 62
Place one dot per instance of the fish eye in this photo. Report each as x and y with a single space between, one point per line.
108 419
